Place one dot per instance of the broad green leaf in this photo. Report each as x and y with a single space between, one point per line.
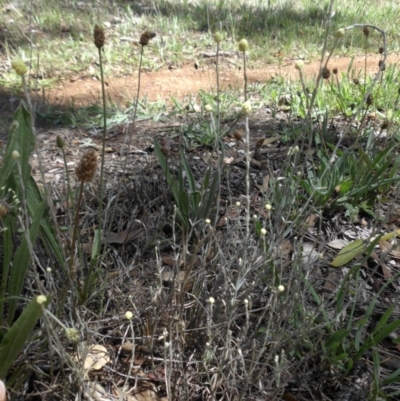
349 252
21 262
17 335
391 235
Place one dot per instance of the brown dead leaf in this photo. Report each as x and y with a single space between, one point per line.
265 184
228 160
331 282
338 243
95 358
238 135
387 273
169 260
87 247
257 154
179 278
387 247
311 220
272 139
285 247
289 397
135 231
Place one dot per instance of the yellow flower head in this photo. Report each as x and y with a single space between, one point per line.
19 67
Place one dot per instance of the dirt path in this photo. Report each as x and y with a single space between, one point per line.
188 80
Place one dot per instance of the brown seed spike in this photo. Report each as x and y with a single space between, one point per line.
381 50
356 81
326 73
145 37
366 31
99 37
385 124
335 71
369 99
86 169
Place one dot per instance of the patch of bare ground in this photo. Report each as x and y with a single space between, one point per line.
188 79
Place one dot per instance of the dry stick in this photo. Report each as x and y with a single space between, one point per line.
218 92
72 271
245 76
103 93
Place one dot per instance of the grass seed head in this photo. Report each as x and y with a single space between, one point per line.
19 67
243 45
246 108
87 166
340 33
326 73
72 335
4 209
299 64
99 37
60 142
145 37
217 37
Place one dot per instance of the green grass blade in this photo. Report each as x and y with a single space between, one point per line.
17 336
21 262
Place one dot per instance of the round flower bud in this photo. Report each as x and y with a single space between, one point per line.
72 335
218 37
19 67
268 206
340 33
41 299
208 107
128 315
15 154
207 221
211 300
246 108
60 142
281 288
263 232
238 204
299 64
243 45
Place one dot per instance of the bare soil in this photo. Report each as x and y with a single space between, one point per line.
188 79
